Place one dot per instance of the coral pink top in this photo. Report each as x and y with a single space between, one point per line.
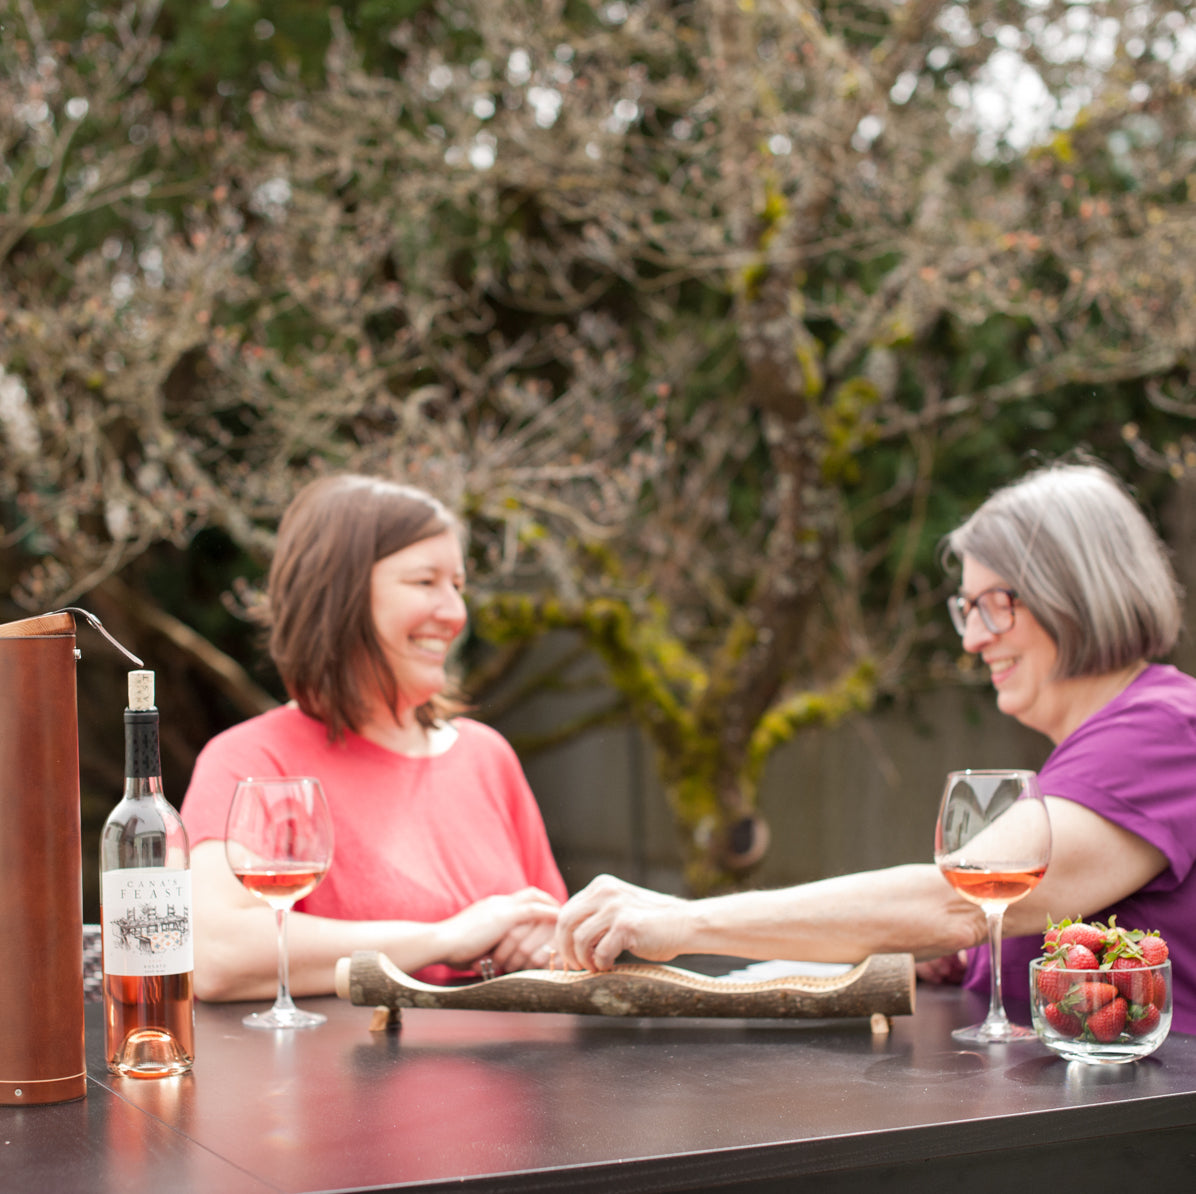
416 838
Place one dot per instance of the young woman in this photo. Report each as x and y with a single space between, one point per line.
441 859
1066 595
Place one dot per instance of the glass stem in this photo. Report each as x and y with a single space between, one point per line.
283 1001
996 1003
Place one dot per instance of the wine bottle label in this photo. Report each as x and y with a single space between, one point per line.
147 921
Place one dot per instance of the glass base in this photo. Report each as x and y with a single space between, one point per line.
994 1032
283 1018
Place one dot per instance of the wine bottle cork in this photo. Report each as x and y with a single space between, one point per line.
141 690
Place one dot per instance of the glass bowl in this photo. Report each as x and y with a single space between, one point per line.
1103 1017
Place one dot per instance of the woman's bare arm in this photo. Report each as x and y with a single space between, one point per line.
236 937
844 919
906 909
1094 863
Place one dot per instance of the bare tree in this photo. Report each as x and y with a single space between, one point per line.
685 305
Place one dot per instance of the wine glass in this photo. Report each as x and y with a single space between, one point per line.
279 844
993 843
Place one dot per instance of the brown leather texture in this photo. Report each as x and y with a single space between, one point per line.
41 868
43 624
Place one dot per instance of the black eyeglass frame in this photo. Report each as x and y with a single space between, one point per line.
960 607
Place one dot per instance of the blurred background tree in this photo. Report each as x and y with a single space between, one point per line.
710 317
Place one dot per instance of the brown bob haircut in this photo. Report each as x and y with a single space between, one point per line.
322 635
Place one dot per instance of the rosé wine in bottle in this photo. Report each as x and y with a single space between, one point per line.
145 896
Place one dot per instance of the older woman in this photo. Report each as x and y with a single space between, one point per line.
1066 595
441 858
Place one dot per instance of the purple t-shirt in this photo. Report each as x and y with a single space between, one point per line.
1134 763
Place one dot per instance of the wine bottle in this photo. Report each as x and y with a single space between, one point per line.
145 910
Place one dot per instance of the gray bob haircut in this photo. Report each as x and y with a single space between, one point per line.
1084 560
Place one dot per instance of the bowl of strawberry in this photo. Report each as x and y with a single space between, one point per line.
1101 993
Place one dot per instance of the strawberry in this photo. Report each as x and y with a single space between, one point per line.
1081 934
1079 957
1141 1020
1052 983
1129 977
1092 995
1160 989
1105 1024
1154 949
1065 1023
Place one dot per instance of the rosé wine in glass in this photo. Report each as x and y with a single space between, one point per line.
279 845
992 844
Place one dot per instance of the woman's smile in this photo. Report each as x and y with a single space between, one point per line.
999 669
419 612
1021 660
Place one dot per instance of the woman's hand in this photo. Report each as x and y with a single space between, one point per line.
507 928
610 916
526 947
947 969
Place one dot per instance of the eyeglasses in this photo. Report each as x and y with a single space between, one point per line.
995 607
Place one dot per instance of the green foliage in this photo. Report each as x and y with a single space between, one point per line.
853 693
849 429
221 51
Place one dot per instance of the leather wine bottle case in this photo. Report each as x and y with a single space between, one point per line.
42 1056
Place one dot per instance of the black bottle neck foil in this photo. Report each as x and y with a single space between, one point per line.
142 759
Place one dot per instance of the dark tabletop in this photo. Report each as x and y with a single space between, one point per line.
503 1101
